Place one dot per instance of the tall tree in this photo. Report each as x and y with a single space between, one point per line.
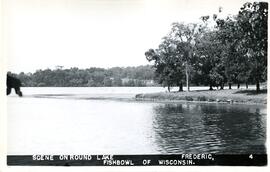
252 22
185 35
165 64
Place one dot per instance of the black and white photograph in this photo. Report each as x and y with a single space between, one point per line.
136 82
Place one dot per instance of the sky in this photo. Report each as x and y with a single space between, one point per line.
41 34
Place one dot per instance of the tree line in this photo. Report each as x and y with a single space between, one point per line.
91 77
216 51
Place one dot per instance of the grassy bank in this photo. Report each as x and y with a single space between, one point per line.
222 96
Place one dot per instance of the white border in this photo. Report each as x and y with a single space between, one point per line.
3 133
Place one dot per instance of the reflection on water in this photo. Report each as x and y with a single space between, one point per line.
212 128
70 121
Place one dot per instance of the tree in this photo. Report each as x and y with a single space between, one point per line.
252 22
236 66
185 36
210 61
168 63
117 82
234 50
93 77
107 82
162 72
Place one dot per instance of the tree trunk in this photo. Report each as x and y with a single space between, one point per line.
169 88
187 77
230 85
246 85
238 86
221 86
180 87
211 87
257 86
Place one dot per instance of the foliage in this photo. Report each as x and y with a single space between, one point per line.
91 77
233 51
252 22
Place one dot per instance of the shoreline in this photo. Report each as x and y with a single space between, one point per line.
241 96
233 96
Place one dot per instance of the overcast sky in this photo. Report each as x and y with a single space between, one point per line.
40 34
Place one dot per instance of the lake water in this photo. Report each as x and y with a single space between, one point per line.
110 121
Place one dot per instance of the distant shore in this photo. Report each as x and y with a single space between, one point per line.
234 96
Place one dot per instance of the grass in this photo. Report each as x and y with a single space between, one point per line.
248 96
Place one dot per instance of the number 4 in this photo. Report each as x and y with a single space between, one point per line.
251 156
